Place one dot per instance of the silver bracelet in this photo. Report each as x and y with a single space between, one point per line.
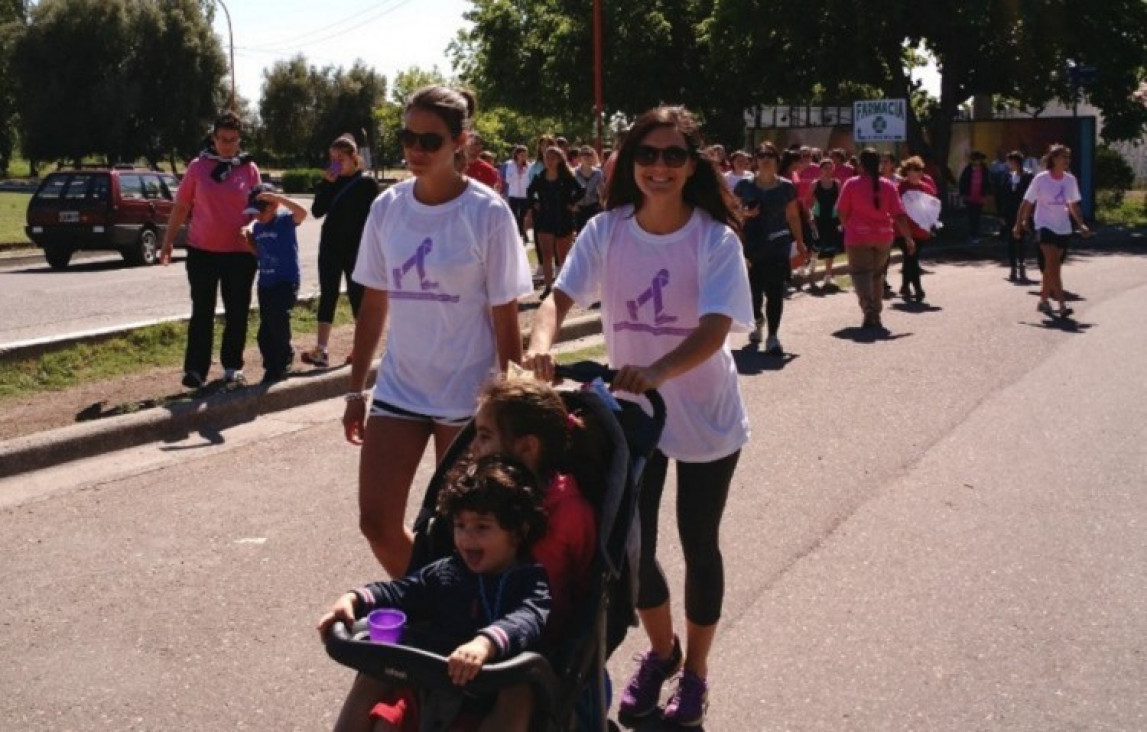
355 396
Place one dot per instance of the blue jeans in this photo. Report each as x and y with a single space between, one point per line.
275 305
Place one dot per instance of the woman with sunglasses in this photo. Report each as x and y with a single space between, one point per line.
665 261
442 270
1054 194
772 224
553 197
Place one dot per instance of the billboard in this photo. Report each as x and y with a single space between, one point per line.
880 120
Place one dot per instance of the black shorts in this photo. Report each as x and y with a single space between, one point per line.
1047 236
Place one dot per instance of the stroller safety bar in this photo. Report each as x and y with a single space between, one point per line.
413 666
586 371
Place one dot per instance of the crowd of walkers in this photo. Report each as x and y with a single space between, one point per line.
681 245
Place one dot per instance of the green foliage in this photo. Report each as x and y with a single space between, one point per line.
121 79
12 17
13 207
304 108
301 180
1113 176
388 114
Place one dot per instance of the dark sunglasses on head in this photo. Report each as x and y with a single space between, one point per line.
673 156
764 154
428 141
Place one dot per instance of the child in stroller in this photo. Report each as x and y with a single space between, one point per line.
484 600
607 456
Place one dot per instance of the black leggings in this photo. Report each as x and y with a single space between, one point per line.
767 283
910 271
702 489
520 207
334 263
1016 254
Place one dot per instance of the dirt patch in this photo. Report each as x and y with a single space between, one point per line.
138 391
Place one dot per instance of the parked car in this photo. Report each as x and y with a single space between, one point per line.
111 209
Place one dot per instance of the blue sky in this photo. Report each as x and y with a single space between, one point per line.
388 35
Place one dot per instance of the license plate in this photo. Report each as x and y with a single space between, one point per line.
69 217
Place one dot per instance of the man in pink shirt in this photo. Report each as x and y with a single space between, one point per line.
219 261
479 169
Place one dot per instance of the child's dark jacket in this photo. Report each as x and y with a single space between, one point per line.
509 609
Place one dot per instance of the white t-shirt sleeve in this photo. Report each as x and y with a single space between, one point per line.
1032 193
581 273
370 267
1071 189
507 269
724 280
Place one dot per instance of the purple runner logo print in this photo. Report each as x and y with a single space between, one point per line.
417 262
661 319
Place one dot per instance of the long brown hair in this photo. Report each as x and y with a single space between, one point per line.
704 190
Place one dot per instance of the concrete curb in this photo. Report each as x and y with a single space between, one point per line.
210 414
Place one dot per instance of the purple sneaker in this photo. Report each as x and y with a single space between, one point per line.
643 692
687 705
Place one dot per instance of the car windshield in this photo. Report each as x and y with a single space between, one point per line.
74 187
53 188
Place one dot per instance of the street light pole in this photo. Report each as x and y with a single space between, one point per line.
597 80
231 40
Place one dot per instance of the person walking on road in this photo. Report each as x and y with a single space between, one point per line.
442 269
914 183
871 211
666 262
1055 195
342 199
1010 190
553 199
219 261
772 216
975 187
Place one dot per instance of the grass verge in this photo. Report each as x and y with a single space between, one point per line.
13 207
1132 211
590 353
138 350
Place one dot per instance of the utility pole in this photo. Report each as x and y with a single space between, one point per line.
231 40
597 80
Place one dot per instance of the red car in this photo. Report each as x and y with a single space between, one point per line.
117 209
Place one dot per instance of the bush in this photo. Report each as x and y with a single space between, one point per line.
1113 176
301 180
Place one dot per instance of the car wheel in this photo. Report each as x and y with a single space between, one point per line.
145 251
58 256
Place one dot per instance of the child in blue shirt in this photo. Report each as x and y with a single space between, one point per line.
486 602
274 241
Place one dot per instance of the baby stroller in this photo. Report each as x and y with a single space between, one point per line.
569 687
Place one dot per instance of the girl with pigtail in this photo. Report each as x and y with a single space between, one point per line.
870 210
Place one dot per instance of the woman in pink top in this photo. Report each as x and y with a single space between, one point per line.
975 187
215 188
870 210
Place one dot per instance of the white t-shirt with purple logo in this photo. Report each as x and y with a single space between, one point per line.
1051 198
653 291
443 268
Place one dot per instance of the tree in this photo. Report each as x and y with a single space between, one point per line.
13 14
116 78
304 108
388 114
536 56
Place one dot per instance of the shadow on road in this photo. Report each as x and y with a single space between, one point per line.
112 262
751 360
916 307
654 723
856 334
1066 325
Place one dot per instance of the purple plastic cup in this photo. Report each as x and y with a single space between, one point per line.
386 625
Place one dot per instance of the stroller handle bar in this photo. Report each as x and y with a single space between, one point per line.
407 665
586 371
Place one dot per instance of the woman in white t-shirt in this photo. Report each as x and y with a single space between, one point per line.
441 260
1055 195
666 264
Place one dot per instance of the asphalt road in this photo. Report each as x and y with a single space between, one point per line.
98 292
941 530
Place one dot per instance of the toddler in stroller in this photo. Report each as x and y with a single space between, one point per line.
569 684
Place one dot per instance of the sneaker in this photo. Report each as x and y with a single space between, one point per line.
687 705
316 357
755 334
192 380
235 377
773 346
641 694
829 282
1065 311
1044 307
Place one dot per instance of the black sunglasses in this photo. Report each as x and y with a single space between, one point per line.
765 154
673 156
428 141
